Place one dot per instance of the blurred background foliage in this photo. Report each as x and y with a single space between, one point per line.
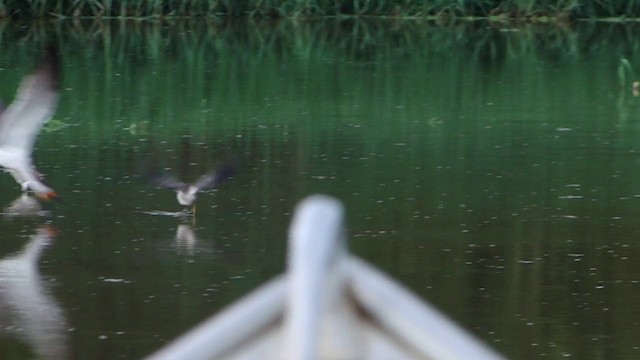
520 9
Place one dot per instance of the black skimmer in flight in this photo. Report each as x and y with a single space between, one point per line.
34 104
187 193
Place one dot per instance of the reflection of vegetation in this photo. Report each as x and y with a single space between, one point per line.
118 52
358 39
532 10
623 69
142 58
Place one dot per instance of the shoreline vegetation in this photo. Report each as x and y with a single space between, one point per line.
536 11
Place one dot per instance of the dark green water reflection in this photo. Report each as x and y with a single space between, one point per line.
490 170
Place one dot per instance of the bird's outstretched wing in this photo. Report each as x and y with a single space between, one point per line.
214 178
35 102
166 180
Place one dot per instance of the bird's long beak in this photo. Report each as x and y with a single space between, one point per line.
50 230
49 196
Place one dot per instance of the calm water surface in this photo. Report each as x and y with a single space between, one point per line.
491 170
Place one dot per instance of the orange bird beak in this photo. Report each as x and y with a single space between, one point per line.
50 230
48 196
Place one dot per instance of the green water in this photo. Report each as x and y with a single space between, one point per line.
491 170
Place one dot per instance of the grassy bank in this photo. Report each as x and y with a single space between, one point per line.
526 10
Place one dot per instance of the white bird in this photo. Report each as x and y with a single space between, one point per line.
34 104
187 193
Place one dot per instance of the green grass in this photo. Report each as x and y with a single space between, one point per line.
525 10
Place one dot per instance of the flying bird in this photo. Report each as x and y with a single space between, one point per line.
187 193
34 104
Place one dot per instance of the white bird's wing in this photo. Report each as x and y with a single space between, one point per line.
35 102
164 179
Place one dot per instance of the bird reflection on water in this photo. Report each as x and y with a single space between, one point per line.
25 206
186 239
28 311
